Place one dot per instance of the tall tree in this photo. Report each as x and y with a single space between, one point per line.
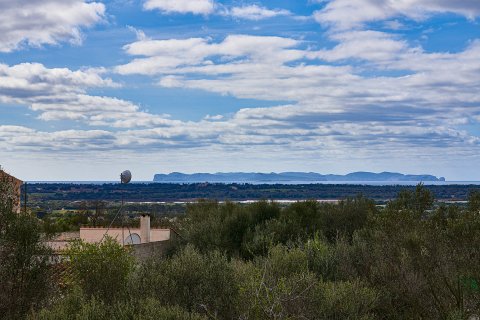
24 267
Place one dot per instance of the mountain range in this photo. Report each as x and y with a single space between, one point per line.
245 177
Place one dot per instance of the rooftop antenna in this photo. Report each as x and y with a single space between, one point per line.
125 178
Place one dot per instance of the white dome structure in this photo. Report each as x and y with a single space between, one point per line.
126 176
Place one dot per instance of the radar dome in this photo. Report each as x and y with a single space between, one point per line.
126 176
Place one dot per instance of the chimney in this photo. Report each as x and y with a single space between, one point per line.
145 228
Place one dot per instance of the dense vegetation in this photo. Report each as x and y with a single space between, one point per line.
352 260
101 214
63 192
24 268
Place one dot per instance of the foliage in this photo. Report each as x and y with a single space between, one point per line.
474 201
103 270
413 253
76 306
282 286
247 231
412 259
65 193
195 282
228 227
417 201
24 265
348 300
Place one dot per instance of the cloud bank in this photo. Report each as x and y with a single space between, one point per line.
346 14
40 22
358 95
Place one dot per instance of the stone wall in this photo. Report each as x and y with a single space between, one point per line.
16 185
144 251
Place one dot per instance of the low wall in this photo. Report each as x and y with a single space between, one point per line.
160 245
144 251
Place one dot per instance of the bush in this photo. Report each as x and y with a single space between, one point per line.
103 269
76 306
278 286
195 282
226 227
347 300
281 286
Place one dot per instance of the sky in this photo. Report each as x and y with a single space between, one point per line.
91 88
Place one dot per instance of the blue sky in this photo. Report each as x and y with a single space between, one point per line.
90 88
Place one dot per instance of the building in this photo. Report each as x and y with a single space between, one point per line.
127 236
17 186
145 242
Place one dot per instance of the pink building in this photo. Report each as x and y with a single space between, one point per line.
124 236
127 236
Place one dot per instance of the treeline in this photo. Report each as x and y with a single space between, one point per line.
101 214
351 260
39 193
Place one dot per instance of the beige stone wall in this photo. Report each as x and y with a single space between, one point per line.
159 235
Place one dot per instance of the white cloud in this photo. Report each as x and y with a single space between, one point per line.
333 105
255 12
371 95
394 25
36 23
207 7
215 117
244 132
203 7
347 14
138 33
375 46
61 94
164 56
268 68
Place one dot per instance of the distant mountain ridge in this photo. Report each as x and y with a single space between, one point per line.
244 177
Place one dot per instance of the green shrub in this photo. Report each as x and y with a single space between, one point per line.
347 300
76 306
195 282
101 269
278 286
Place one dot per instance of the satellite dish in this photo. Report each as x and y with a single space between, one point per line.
134 238
126 176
